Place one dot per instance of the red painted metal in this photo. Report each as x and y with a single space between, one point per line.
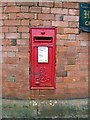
42 57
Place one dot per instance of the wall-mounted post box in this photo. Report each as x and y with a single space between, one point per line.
42 58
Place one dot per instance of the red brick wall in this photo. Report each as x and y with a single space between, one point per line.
71 49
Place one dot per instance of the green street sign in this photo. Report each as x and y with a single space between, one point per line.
84 19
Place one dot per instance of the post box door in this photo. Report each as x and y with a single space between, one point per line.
42 75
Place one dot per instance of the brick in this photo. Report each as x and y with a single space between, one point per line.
70 5
71 61
10 48
25 35
25 16
71 18
73 73
11 54
73 24
25 22
82 36
73 43
70 79
26 3
23 48
46 16
60 30
35 9
59 11
11 60
72 49
60 23
71 36
61 49
73 12
24 9
46 4
82 49
83 55
62 37
23 29
4 54
12 22
22 42
11 3
12 35
45 10
71 68
12 9
6 42
12 15
71 30
12 29
58 4
46 23
83 43
5 16
36 22
59 17
4 29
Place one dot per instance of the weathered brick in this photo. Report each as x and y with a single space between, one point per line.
46 16
12 29
23 29
10 48
71 18
12 15
35 9
4 29
71 36
73 12
6 42
25 16
60 30
71 30
59 11
71 5
46 23
11 3
25 22
25 35
24 9
11 60
62 37
22 42
11 54
12 9
46 4
36 22
83 43
12 35
74 24
45 10
5 16
73 43
26 3
58 4
82 36
60 23
61 49
11 22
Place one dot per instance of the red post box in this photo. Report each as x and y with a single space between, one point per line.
42 58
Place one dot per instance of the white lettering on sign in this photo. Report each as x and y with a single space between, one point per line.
42 54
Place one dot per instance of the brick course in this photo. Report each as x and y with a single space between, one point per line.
71 49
